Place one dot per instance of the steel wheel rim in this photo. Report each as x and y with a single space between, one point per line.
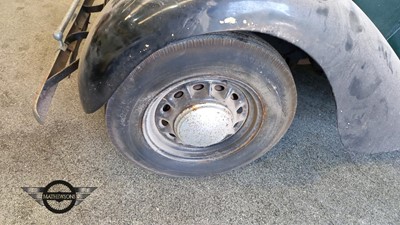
230 99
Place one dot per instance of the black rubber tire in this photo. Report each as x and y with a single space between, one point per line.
238 56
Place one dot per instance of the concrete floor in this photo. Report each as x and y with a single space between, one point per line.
307 179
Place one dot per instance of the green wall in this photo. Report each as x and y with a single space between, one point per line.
386 16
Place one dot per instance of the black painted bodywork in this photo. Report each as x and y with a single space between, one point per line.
362 68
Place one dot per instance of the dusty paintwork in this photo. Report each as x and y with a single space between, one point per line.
361 66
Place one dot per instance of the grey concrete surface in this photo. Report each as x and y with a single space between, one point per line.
308 178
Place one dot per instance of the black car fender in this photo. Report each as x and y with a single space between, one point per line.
362 68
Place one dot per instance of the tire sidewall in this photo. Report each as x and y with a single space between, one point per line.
256 65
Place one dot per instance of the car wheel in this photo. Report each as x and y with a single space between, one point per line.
203 105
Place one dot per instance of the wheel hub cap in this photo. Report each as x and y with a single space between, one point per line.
204 125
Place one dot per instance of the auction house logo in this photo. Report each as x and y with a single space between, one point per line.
59 196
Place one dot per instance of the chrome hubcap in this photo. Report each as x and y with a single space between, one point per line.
204 125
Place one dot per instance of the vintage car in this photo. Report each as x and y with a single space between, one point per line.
199 87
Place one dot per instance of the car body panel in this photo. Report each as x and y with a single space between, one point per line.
362 68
